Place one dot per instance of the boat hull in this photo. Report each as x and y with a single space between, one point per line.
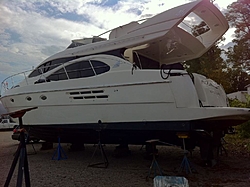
112 133
131 113
133 132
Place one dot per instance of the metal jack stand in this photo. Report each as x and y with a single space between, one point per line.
61 155
26 141
21 153
154 165
221 148
104 157
185 164
33 149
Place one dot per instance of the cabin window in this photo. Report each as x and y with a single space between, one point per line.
47 66
43 97
28 98
79 70
58 75
99 67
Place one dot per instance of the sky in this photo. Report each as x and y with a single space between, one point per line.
32 30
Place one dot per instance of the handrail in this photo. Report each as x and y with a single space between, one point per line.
10 79
16 75
5 83
65 72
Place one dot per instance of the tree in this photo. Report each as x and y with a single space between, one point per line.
237 80
238 16
244 129
238 56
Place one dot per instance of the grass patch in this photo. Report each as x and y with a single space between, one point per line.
236 144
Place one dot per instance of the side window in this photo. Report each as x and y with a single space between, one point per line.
58 75
34 73
49 66
99 67
79 70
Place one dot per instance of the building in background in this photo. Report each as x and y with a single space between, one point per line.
240 95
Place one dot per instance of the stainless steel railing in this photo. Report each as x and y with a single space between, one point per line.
13 80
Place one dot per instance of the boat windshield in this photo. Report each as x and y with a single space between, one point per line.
45 67
194 25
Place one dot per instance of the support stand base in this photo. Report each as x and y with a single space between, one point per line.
154 165
61 155
186 166
105 162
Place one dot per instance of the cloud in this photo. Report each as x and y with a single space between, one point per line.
28 37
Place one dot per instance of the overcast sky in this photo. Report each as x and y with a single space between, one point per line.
31 30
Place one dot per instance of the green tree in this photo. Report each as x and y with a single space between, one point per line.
238 15
243 129
237 79
238 56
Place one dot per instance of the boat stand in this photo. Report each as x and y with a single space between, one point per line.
154 165
32 147
21 153
31 143
61 155
185 164
221 148
99 146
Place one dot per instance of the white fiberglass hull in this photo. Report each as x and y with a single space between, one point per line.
116 104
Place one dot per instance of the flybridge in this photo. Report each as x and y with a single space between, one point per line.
85 41
167 38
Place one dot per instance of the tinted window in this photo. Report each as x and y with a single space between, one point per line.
100 67
58 75
79 70
47 66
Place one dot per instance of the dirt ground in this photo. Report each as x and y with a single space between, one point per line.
232 170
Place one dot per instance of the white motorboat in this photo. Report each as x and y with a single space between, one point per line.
131 86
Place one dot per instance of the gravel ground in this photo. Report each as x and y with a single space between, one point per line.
231 171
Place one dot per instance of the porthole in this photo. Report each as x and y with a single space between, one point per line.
43 97
12 100
28 98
